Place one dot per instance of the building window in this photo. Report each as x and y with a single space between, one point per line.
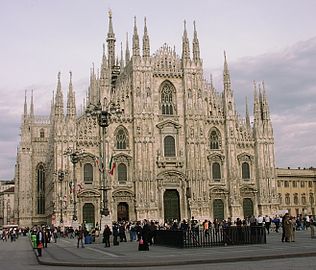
311 198
302 184
296 199
167 105
286 183
287 198
216 171
121 173
280 198
279 183
42 133
294 184
40 190
303 199
214 140
169 146
310 184
88 173
245 171
121 139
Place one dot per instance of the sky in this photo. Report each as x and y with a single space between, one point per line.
272 41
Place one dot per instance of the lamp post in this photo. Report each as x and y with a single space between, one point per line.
75 156
61 175
104 118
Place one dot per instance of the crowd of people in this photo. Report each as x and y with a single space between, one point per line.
144 231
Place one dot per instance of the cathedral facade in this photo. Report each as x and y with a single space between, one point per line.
172 146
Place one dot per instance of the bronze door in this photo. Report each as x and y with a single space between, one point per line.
122 211
218 209
171 205
88 214
248 207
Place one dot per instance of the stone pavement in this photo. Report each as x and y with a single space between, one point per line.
65 253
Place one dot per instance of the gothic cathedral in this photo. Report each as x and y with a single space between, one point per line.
171 146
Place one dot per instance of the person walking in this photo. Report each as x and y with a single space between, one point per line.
80 236
39 241
106 236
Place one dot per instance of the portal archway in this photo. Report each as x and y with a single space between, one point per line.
88 215
247 207
218 209
122 211
171 203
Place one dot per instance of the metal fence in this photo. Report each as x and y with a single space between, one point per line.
233 235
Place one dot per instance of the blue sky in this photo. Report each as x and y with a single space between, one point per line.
274 41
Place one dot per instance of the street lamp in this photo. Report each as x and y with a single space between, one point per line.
104 118
75 155
61 175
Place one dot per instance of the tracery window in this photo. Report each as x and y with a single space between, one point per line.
295 198
121 139
167 104
311 198
42 133
216 171
169 146
287 198
303 198
40 189
245 171
214 140
88 173
121 173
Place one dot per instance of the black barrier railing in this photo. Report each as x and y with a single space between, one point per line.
233 235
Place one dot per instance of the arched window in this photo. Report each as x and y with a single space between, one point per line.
121 139
245 171
303 198
42 133
88 173
280 198
121 173
169 147
216 171
286 184
167 105
311 198
296 199
287 198
40 190
214 140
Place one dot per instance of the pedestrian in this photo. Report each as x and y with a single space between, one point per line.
106 236
80 236
115 230
39 241
267 223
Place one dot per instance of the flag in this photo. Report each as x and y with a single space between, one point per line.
112 165
100 166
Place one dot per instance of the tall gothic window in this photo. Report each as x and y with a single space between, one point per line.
296 199
245 171
311 198
216 171
287 198
88 173
121 173
169 147
40 189
303 198
167 105
42 133
214 140
121 139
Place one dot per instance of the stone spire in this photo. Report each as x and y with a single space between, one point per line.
127 53
111 42
25 108
265 105
59 100
196 47
71 104
135 40
146 46
185 45
247 115
32 106
226 75
122 58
